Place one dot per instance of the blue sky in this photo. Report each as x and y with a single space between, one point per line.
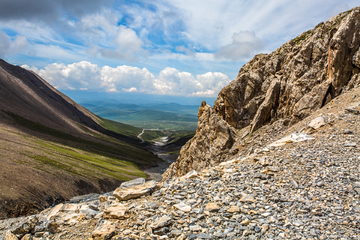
180 48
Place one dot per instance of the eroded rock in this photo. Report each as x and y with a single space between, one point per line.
115 212
213 143
134 190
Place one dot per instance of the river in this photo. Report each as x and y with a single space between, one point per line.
160 148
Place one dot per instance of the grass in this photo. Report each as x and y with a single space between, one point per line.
85 164
120 128
115 148
302 37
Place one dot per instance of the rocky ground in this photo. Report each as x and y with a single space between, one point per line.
305 185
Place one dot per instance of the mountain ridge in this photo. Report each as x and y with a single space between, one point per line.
53 148
280 88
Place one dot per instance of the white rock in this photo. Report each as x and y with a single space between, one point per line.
115 212
135 191
54 211
106 229
317 122
183 207
190 174
132 183
294 137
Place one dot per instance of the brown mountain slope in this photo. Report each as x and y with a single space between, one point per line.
52 148
278 90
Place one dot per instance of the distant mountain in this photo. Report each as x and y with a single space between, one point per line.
52 148
134 98
147 115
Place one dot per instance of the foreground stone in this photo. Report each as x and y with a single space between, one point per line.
117 211
134 190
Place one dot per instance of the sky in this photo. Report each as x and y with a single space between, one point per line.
190 48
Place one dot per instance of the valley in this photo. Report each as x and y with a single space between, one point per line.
170 116
275 156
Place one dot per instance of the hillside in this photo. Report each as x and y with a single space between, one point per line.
274 91
51 148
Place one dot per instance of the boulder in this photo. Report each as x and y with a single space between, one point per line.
132 183
105 231
10 236
131 191
317 122
115 212
183 207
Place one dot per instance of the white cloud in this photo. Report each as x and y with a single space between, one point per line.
115 79
132 89
170 81
173 82
81 75
129 46
9 47
244 45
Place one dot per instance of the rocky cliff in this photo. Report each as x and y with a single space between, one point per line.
277 89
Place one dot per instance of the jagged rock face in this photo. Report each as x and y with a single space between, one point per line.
213 142
297 78
288 84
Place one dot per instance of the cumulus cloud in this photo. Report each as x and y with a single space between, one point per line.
170 81
9 47
129 46
126 77
244 44
82 75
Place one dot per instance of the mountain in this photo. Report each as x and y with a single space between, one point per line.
168 116
286 167
138 98
272 92
52 148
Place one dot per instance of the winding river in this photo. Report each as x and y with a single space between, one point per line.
159 148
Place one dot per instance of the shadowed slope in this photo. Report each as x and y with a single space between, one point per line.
51 148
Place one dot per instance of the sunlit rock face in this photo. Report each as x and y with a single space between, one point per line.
289 84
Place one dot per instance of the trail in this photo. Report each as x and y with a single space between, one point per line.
142 132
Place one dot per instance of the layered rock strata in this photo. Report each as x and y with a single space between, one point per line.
286 85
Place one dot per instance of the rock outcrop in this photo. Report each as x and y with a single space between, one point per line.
285 86
297 78
213 142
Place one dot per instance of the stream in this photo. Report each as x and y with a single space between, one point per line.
160 148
